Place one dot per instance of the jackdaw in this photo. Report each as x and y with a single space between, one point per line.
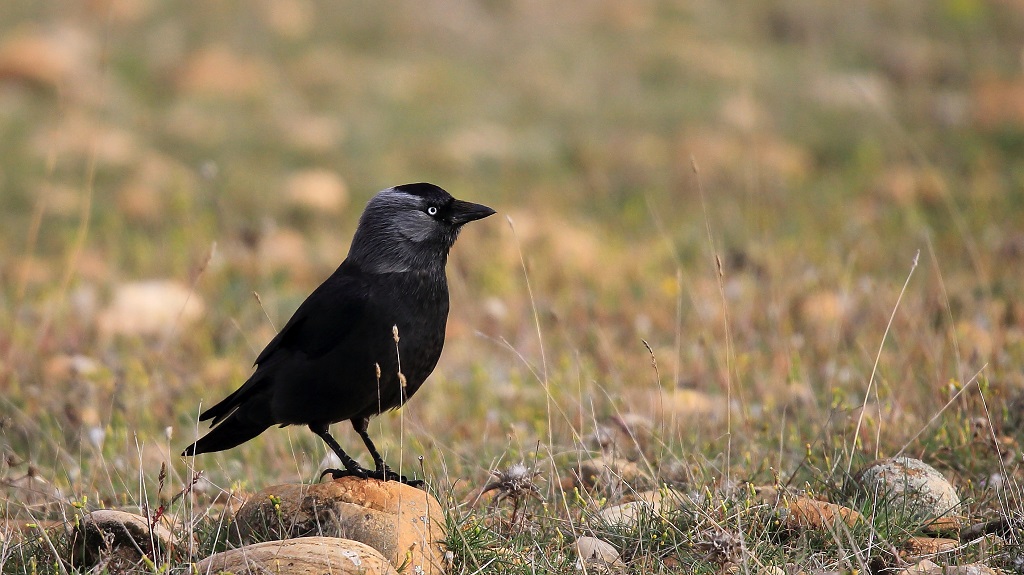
365 340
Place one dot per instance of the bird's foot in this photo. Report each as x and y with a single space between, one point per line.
386 474
353 472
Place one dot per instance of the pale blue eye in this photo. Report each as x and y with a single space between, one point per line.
432 211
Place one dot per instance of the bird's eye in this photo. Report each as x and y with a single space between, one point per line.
432 211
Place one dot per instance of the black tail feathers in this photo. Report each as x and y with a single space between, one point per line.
234 430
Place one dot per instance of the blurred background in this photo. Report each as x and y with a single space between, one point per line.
741 185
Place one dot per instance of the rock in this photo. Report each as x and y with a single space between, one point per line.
924 567
719 151
927 567
63 367
480 142
291 19
313 133
404 523
731 568
88 138
807 513
150 308
317 190
285 250
997 102
46 58
610 473
626 514
943 526
681 406
646 504
825 309
971 569
299 556
148 194
769 494
910 484
665 498
910 185
594 553
928 546
673 564
120 539
628 436
742 111
218 71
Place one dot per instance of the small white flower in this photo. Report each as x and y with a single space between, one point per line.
96 436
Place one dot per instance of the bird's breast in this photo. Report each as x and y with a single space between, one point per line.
420 315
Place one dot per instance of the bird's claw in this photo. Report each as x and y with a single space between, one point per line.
339 473
385 474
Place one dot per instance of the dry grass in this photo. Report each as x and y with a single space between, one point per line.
752 320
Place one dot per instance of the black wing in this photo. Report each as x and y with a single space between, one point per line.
322 322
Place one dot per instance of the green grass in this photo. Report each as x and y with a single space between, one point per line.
831 142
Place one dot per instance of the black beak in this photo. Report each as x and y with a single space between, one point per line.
465 212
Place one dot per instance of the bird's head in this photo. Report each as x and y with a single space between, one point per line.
410 227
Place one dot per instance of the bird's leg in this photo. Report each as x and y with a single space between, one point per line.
361 424
382 471
351 466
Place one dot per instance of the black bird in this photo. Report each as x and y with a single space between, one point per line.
365 340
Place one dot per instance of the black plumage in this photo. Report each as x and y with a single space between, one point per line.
365 340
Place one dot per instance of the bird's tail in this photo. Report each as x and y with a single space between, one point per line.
236 428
